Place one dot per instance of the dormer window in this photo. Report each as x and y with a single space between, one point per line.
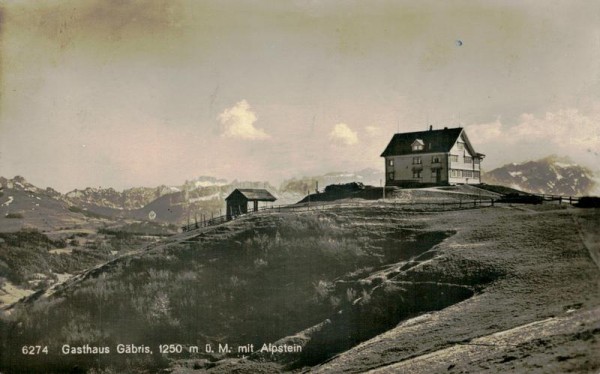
418 145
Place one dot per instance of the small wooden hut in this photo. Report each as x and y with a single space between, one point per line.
237 201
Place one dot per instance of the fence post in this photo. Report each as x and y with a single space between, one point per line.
459 204
560 200
492 201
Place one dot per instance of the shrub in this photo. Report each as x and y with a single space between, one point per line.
14 215
351 294
322 289
521 199
588 202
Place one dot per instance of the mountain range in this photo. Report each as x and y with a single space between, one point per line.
552 175
204 196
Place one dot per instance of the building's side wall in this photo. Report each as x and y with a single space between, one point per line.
402 169
464 168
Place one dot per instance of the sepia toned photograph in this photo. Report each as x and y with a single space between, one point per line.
299 186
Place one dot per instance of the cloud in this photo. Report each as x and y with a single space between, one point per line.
566 127
563 128
373 131
238 122
486 132
567 132
342 134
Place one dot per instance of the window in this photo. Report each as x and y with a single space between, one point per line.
476 174
390 175
418 145
467 173
453 158
454 173
459 145
416 161
434 173
435 159
416 174
468 159
390 162
476 160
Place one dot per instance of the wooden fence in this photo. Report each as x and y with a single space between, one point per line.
431 206
561 199
312 206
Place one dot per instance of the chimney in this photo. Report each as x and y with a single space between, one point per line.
445 128
430 127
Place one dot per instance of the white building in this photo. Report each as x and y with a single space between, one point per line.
433 157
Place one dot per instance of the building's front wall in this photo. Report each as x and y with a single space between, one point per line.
236 206
426 168
463 167
459 166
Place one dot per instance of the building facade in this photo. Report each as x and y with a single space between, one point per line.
433 157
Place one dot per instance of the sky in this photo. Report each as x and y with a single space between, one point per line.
112 93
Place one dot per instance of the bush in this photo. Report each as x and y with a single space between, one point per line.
348 187
521 199
86 213
14 215
588 202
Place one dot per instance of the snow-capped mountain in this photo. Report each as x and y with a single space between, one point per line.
203 181
551 175
139 197
132 198
170 204
367 176
23 205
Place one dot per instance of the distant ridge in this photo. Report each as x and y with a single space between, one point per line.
552 175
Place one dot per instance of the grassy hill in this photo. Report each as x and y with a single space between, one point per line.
325 281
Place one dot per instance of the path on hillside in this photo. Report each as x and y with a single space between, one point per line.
518 343
545 310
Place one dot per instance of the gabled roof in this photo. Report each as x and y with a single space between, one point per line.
435 141
252 194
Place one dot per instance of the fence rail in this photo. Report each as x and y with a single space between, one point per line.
431 206
323 205
567 199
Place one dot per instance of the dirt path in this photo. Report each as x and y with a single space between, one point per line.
512 349
542 314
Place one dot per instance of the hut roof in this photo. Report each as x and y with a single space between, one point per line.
252 194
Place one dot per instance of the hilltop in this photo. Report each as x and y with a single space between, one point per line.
369 286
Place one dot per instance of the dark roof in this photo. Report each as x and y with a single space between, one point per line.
435 141
252 194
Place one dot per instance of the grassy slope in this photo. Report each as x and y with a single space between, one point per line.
548 273
252 280
248 273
